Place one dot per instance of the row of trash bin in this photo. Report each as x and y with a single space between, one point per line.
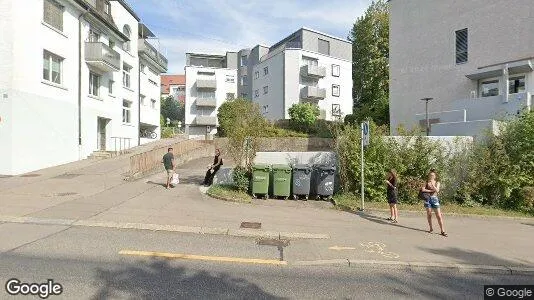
301 180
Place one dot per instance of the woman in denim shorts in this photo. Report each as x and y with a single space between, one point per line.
432 203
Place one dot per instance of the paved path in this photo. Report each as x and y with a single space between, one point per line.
97 194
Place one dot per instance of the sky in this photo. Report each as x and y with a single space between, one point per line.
217 26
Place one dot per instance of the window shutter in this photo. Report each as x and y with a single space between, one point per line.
324 47
461 46
53 14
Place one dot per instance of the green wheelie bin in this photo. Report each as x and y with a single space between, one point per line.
281 181
260 180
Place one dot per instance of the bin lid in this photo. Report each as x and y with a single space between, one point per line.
281 167
325 167
301 167
261 167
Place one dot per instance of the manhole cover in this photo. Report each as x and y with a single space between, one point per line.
273 242
66 194
67 176
253 225
30 175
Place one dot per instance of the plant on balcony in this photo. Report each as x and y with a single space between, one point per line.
303 116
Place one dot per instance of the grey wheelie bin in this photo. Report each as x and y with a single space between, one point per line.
301 181
281 181
324 181
260 180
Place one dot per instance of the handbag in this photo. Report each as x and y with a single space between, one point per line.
423 195
175 180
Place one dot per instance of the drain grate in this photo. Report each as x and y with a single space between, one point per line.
253 225
67 176
30 175
273 242
66 194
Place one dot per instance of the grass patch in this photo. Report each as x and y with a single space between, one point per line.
228 193
353 202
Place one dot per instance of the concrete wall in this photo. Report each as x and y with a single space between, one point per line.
422 49
283 144
476 129
292 158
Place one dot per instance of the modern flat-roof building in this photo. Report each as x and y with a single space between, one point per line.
474 58
70 82
306 66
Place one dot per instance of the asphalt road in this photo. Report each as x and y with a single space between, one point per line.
87 263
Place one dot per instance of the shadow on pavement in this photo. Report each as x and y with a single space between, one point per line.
463 256
379 220
157 279
528 224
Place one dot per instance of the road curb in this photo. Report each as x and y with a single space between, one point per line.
417 266
253 233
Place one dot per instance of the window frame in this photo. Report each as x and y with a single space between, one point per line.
50 70
110 86
126 112
510 78
266 90
256 74
256 93
458 52
126 46
244 80
243 62
334 67
142 99
488 81
94 89
126 76
61 8
334 87
265 70
318 48
153 103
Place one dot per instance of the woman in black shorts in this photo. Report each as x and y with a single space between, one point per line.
391 184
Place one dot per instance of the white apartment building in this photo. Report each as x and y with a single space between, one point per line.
474 58
70 81
306 66
208 83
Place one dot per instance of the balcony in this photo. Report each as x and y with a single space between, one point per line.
312 93
206 102
102 57
313 71
149 52
206 120
207 83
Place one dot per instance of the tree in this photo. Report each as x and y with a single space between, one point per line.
172 109
303 115
370 70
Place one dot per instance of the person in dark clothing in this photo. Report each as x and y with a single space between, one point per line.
391 184
217 163
168 163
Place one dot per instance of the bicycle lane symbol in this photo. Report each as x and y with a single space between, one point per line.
378 248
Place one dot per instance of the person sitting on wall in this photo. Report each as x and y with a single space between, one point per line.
217 163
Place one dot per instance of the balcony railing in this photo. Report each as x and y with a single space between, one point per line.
206 120
101 56
312 93
313 71
206 83
152 53
206 102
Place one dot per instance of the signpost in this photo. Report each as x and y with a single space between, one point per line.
365 142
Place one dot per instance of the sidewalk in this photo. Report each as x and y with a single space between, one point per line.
100 196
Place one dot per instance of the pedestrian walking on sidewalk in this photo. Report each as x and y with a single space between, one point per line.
217 163
432 186
392 194
168 163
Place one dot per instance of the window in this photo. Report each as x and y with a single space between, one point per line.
230 78
461 46
489 88
110 86
53 14
107 7
52 67
256 74
323 47
336 110
126 112
126 75
153 103
244 80
256 93
126 30
335 90
310 61
94 36
142 99
265 90
244 59
142 68
335 70
94 84
516 84
230 96
111 43
244 95
265 71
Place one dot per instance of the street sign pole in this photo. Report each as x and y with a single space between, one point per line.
365 142
362 162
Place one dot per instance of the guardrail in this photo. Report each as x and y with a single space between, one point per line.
123 144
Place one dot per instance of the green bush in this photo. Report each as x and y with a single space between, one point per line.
303 116
241 179
167 132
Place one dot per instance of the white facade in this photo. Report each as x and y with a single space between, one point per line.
39 107
288 83
475 79
203 100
